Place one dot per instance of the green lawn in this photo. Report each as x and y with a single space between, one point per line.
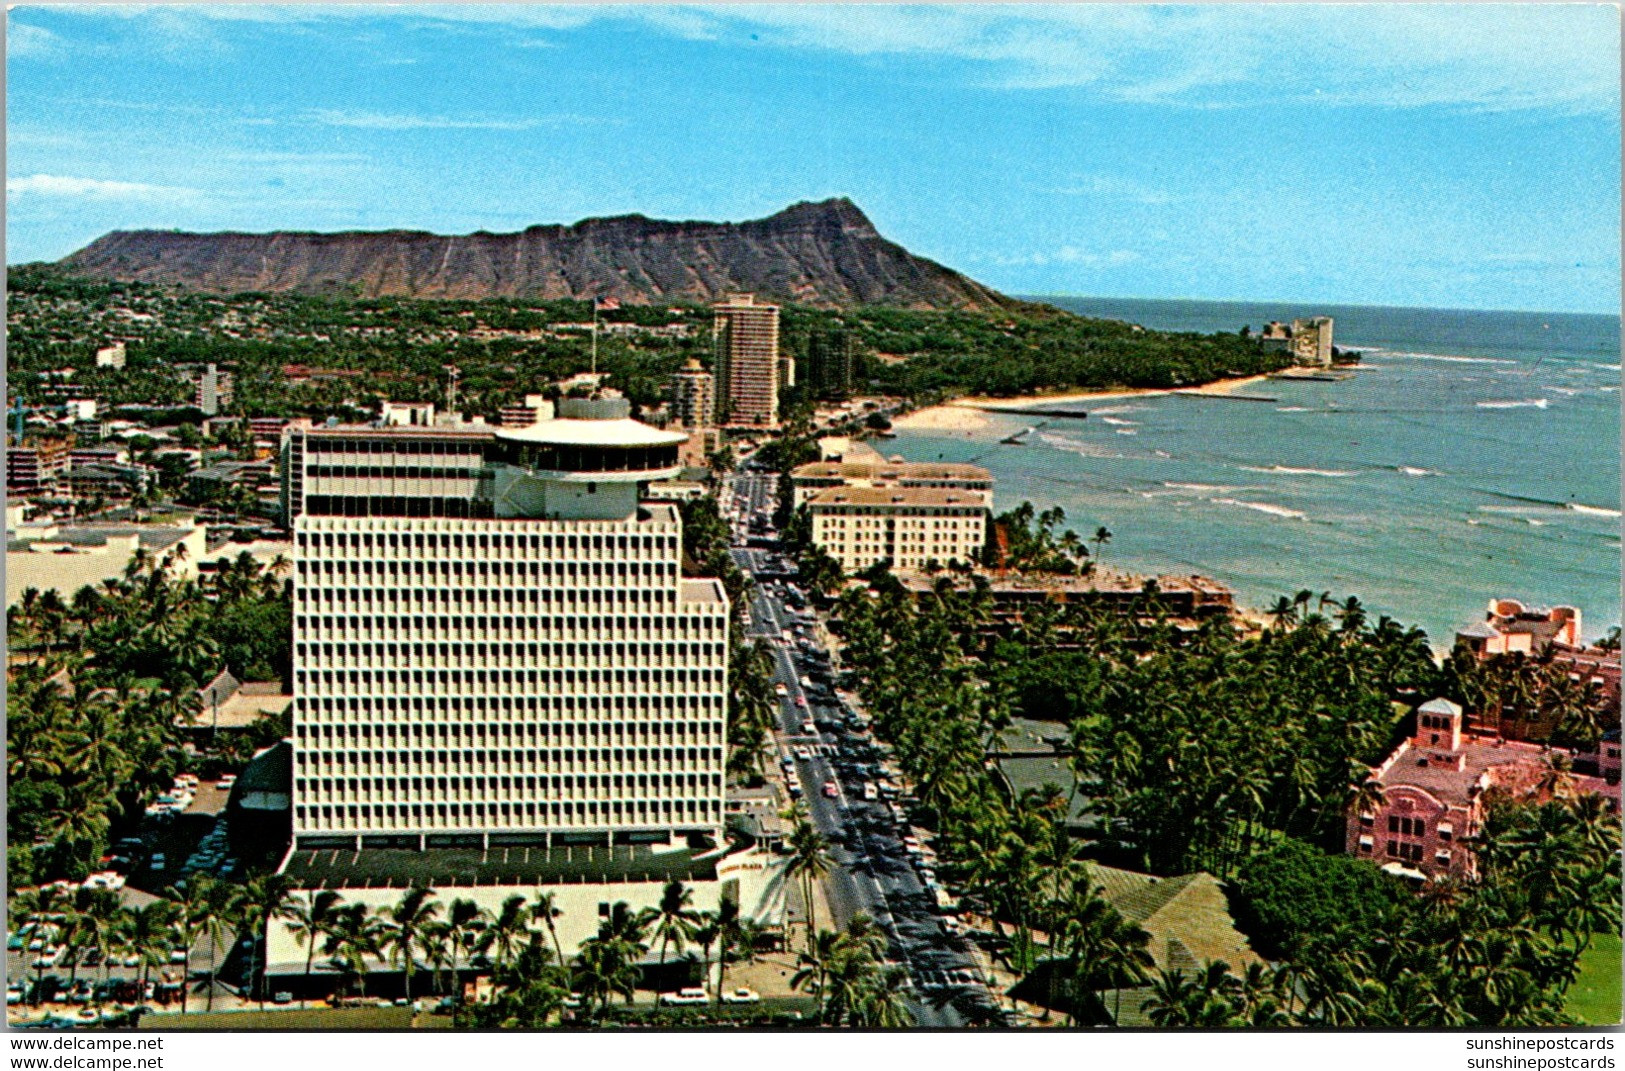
1594 998
290 1019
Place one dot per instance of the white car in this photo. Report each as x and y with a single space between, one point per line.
780 690
690 995
742 995
803 752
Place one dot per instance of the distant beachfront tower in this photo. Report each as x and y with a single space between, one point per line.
494 645
1312 341
747 364
693 396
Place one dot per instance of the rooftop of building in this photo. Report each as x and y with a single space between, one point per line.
1097 581
1188 916
899 496
1457 777
87 536
702 591
618 432
446 868
890 470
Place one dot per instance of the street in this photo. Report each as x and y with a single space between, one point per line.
873 871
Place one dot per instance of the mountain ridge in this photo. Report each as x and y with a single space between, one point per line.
826 254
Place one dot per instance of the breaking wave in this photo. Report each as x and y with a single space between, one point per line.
1532 403
1450 358
1263 507
1288 470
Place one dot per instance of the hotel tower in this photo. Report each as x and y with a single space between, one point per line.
747 362
494 646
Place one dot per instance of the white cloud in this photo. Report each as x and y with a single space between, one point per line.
94 189
1111 187
1072 255
24 41
1505 56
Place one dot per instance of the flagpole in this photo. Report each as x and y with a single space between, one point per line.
595 336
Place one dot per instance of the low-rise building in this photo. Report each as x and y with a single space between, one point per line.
67 557
111 356
533 410
1510 627
909 527
817 476
1012 595
36 466
1433 790
107 481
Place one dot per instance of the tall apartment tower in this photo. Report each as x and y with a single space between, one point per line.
493 643
831 364
747 346
693 397
212 390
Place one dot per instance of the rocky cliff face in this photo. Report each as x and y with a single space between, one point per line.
826 254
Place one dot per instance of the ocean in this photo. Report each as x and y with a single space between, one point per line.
1474 455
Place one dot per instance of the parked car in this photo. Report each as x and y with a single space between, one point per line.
741 995
689 995
831 789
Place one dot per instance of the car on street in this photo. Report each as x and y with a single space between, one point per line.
689 995
831 789
741 995
809 727
803 752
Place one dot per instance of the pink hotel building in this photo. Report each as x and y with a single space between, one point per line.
1433 789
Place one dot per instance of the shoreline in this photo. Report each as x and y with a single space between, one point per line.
969 414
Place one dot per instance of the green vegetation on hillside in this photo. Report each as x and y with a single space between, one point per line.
399 348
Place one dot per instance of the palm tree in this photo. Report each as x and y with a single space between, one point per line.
309 919
728 924
544 908
507 932
1101 537
707 934
404 927
435 942
354 938
222 901
675 918
262 899
148 929
602 971
1283 611
465 921
190 921
812 966
809 863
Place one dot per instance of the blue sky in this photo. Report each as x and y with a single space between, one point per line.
1420 155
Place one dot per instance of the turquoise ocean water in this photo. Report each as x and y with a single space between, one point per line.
1474 455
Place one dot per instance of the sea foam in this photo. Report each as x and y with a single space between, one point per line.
1532 403
1262 507
1288 470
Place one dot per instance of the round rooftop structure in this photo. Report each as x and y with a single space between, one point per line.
593 439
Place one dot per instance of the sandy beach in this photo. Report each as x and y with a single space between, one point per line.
969 414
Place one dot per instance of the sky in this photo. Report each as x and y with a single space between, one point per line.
1460 156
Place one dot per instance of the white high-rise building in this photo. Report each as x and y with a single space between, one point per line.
493 642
